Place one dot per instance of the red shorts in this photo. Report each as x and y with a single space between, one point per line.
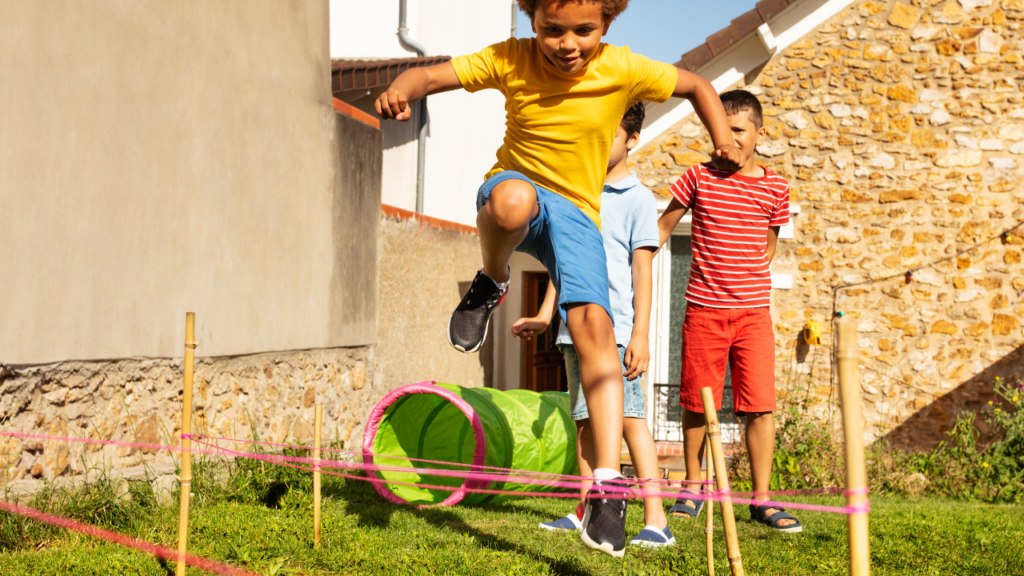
741 337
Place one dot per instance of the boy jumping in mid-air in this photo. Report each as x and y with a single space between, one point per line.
630 230
565 93
736 220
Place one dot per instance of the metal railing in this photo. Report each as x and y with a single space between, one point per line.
668 416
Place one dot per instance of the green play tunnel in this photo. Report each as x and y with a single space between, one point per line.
475 427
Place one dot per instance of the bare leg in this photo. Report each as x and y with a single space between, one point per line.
601 377
503 224
694 428
645 462
585 454
761 448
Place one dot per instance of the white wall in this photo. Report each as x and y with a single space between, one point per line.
465 129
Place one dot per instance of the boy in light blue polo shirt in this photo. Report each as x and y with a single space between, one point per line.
629 218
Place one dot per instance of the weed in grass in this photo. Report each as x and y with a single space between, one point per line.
113 504
983 458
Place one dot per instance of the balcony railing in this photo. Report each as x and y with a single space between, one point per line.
668 416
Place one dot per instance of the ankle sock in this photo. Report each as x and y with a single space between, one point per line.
606 474
500 285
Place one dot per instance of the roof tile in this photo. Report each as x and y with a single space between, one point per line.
698 57
722 39
771 8
368 74
747 23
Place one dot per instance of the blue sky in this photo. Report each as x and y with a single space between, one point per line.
664 30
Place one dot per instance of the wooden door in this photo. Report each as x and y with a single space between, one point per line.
543 367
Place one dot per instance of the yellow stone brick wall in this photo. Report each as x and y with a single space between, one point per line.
899 126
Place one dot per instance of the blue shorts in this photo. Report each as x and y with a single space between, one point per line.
632 390
566 241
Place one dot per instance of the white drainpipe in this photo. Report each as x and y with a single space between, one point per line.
421 143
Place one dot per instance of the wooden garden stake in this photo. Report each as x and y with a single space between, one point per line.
853 433
709 529
185 480
732 543
318 419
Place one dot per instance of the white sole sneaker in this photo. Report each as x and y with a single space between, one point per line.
607 547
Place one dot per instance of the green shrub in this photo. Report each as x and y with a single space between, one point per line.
968 465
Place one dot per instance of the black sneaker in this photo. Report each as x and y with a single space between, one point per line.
468 325
604 523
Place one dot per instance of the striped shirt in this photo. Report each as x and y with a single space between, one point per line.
731 216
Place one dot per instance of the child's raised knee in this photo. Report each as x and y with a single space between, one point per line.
512 204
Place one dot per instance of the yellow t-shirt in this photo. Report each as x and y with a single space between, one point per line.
559 128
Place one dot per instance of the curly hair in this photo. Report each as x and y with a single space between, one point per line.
633 121
610 8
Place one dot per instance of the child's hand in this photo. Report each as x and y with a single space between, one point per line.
727 157
527 328
638 356
394 104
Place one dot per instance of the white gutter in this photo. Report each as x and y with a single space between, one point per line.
421 140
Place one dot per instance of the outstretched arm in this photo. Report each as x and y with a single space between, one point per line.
411 86
727 155
669 219
526 328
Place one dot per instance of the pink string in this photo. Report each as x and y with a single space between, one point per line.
614 491
124 540
803 492
441 462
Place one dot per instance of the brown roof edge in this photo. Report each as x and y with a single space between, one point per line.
402 214
742 26
349 75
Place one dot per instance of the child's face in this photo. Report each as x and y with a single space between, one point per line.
746 135
621 146
569 33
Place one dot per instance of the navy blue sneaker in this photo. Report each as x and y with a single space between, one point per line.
653 537
571 522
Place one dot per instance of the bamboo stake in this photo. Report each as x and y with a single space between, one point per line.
853 433
709 529
185 481
318 420
732 543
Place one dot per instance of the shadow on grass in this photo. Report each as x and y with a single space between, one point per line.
444 518
166 566
361 501
272 499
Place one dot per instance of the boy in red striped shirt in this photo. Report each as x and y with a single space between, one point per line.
736 220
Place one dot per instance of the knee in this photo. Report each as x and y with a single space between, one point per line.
511 205
594 322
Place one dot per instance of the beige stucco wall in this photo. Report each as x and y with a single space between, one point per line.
169 156
424 271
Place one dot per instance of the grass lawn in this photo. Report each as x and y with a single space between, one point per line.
364 535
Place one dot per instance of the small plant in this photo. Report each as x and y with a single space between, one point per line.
983 458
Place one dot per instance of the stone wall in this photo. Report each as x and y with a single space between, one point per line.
269 396
898 126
